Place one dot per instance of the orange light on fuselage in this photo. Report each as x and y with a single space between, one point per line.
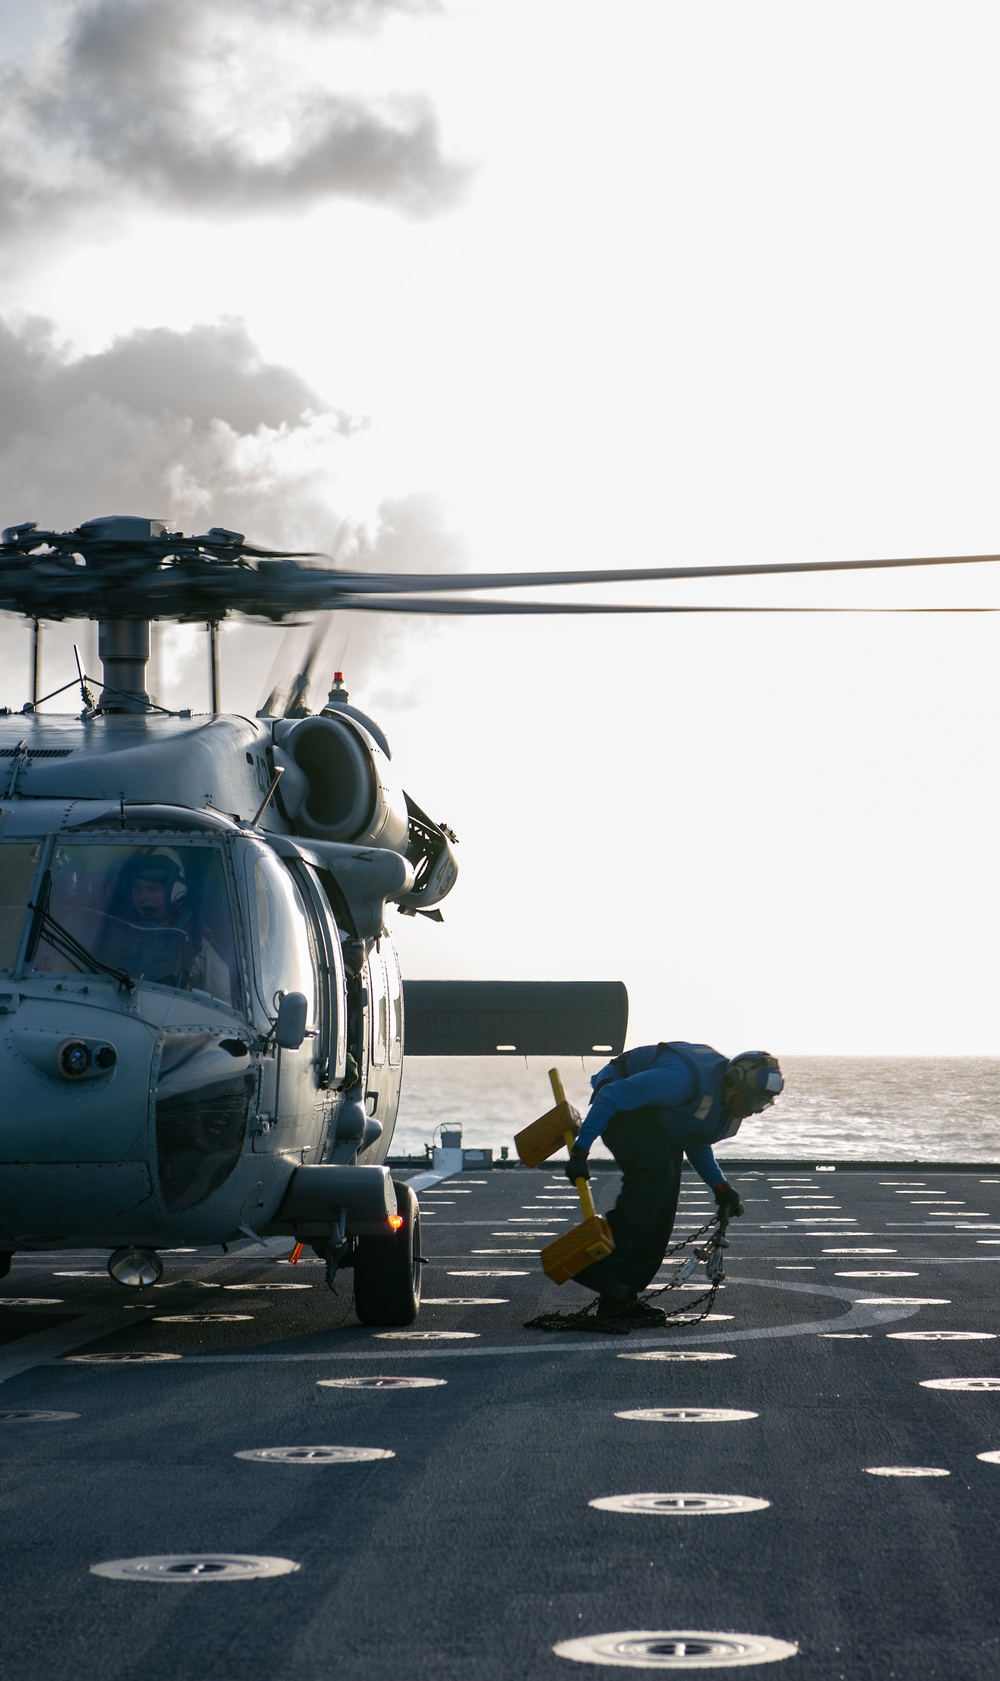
395 1221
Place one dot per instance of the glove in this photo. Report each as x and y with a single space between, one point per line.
576 1167
728 1199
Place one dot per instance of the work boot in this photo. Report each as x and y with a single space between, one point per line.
632 1310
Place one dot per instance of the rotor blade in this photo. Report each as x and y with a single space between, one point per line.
300 687
489 609
377 583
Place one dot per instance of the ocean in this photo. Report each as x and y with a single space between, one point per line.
834 1108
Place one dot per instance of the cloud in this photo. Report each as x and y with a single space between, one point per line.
196 429
408 534
201 106
180 426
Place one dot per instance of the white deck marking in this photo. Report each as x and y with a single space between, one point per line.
42 1348
680 1505
675 1648
872 1272
858 1317
906 1471
424 1181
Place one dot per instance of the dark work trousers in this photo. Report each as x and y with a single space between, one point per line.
643 1217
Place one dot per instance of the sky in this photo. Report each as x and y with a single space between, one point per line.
484 284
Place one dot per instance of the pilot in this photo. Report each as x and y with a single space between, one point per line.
151 895
652 1106
155 894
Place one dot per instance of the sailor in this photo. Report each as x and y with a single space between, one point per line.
155 936
652 1106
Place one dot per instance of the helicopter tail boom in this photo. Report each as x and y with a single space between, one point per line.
515 1018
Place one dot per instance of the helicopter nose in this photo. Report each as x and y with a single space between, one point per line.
75 1120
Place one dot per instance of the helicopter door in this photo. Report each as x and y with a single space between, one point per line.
285 960
385 1039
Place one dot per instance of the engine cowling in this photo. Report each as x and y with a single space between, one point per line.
337 784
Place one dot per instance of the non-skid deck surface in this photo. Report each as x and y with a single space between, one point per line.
475 1550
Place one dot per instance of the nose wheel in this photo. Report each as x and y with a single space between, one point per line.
387 1269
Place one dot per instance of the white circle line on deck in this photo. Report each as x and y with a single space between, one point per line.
859 1317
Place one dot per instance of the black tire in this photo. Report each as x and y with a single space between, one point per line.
387 1269
6 1256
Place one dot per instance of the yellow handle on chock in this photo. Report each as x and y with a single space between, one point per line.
583 1190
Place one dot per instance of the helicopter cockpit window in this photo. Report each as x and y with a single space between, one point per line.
284 949
18 860
160 913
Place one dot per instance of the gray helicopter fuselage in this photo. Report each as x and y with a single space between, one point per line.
144 1097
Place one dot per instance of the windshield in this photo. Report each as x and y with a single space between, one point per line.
158 913
18 860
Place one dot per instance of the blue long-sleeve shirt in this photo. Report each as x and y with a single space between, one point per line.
668 1086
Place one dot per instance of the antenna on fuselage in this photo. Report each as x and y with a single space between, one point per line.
214 670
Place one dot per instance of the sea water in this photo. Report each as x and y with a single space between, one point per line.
833 1107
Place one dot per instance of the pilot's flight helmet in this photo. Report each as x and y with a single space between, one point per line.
756 1076
160 863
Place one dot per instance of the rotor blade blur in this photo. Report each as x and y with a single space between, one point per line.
492 609
376 583
89 574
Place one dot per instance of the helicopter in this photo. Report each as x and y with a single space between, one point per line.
202 1017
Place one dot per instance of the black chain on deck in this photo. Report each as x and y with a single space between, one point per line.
587 1318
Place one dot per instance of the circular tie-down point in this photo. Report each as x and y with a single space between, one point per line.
682 1648
463 1301
429 1336
194 1567
27 1415
680 1505
942 1336
696 1318
678 1354
873 1274
30 1301
525 1237
120 1359
688 1415
960 1383
314 1455
907 1471
200 1318
380 1382
281 1286
902 1301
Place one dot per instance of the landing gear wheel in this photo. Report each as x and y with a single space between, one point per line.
6 1256
387 1269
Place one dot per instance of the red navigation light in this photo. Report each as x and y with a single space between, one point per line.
338 676
395 1221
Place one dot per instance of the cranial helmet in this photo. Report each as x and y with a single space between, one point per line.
756 1076
161 863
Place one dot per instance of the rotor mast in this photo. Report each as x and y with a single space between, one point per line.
123 644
